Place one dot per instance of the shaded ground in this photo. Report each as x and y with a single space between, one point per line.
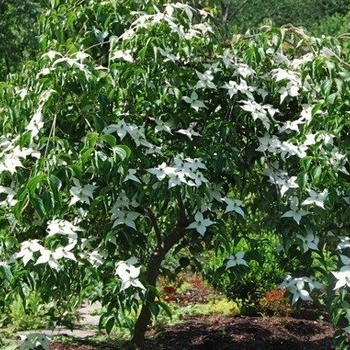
219 332
244 333
236 333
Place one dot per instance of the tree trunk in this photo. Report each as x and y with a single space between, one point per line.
152 274
145 314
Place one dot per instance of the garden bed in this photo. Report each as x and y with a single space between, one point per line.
224 333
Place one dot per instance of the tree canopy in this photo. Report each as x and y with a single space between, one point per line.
142 132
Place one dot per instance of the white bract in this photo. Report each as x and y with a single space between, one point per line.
36 123
343 277
129 274
47 257
188 132
124 55
28 248
205 80
193 100
34 341
131 176
233 205
316 198
300 287
163 126
310 241
295 213
286 183
122 217
237 259
81 194
269 144
10 194
233 88
65 228
200 224
258 111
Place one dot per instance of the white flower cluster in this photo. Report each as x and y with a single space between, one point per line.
300 287
121 212
11 155
129 274
182 171
55 227
343 275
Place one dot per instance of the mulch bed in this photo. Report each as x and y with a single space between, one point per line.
298 331
233 333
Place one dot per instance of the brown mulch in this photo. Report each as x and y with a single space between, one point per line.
218 332
236 333
245 333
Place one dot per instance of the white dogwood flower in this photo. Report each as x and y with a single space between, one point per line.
233 205
194 102
295 213
286 183
343 277
188 132
64 227
81 194
297 287
129 274
200 224
47 257
127 218
131 176
310 241
234 260
205 80
316 198
28 248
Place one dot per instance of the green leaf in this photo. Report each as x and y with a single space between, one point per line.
306 163
109 324
76 170
110 139
55 183
326 87
33 183
22 196
316 173
122 151
7 272
302 180
48 201
166 308
91 139
154 307
317 108
65 157
38 205
331 98
86 155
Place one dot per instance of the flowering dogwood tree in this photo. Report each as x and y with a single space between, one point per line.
141 132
